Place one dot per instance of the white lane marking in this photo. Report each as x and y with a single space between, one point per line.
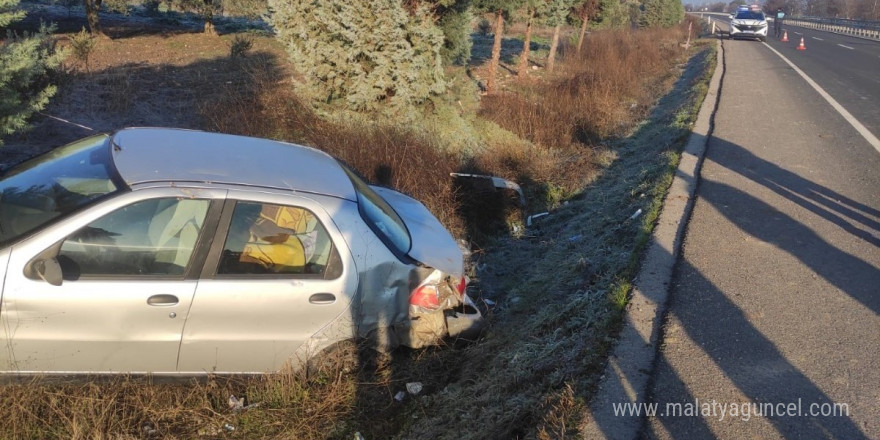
846 47
843 112
817 38
798 33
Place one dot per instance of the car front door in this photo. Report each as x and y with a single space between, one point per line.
278 274
129 270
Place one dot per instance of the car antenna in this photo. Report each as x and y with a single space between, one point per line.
66 121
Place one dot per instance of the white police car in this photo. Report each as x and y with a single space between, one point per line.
749 22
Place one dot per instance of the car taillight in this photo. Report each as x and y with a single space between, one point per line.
427 296
462 285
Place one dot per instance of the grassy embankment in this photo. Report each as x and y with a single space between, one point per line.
591 143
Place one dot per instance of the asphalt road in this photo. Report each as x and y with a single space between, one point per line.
775 300
848 68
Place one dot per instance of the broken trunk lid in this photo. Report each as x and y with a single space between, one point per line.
432 245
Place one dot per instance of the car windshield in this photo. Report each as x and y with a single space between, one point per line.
35 192
749 15
380 216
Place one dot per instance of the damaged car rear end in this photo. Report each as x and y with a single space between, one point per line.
415 295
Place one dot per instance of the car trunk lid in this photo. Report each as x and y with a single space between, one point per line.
432 245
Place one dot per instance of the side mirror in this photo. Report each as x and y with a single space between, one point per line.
49 270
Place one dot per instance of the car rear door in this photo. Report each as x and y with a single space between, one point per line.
278 282
129 273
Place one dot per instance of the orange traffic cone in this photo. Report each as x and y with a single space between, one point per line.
785 36
801 46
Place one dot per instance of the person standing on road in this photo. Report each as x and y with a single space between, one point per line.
777 22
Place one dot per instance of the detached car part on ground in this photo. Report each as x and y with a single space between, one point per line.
183 252
749 22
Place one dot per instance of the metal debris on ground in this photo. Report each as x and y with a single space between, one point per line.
497 182
414 388
535 216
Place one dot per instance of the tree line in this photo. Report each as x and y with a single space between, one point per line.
360 54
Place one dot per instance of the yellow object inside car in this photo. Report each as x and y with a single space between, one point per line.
273 243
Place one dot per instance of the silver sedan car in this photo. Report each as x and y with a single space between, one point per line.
183 252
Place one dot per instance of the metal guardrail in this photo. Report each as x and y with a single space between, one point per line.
864 29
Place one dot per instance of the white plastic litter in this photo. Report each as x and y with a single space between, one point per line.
400 396
236 404
414 388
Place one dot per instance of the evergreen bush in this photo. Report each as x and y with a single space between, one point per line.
362 52
25 63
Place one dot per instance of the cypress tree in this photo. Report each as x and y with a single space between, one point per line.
498 8
25 61
455 21
557 13
530 9
585 11
612 14
362 52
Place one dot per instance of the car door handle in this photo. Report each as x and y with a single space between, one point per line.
322 298
162 300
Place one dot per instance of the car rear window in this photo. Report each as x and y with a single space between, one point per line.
380 216
47 187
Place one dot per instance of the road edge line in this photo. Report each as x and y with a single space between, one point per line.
630 366
872 140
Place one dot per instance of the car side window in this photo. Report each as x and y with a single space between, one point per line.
150 237
268 239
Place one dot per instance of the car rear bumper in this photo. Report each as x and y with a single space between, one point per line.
424 329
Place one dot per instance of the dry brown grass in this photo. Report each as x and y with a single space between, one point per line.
597 93
137 408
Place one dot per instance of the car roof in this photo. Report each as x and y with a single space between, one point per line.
144 155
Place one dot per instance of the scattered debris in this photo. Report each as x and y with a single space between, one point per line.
414 388
149 429
359 436
228 427
497 182
236 404
574 238
488 302
535 216
400 396
636 214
